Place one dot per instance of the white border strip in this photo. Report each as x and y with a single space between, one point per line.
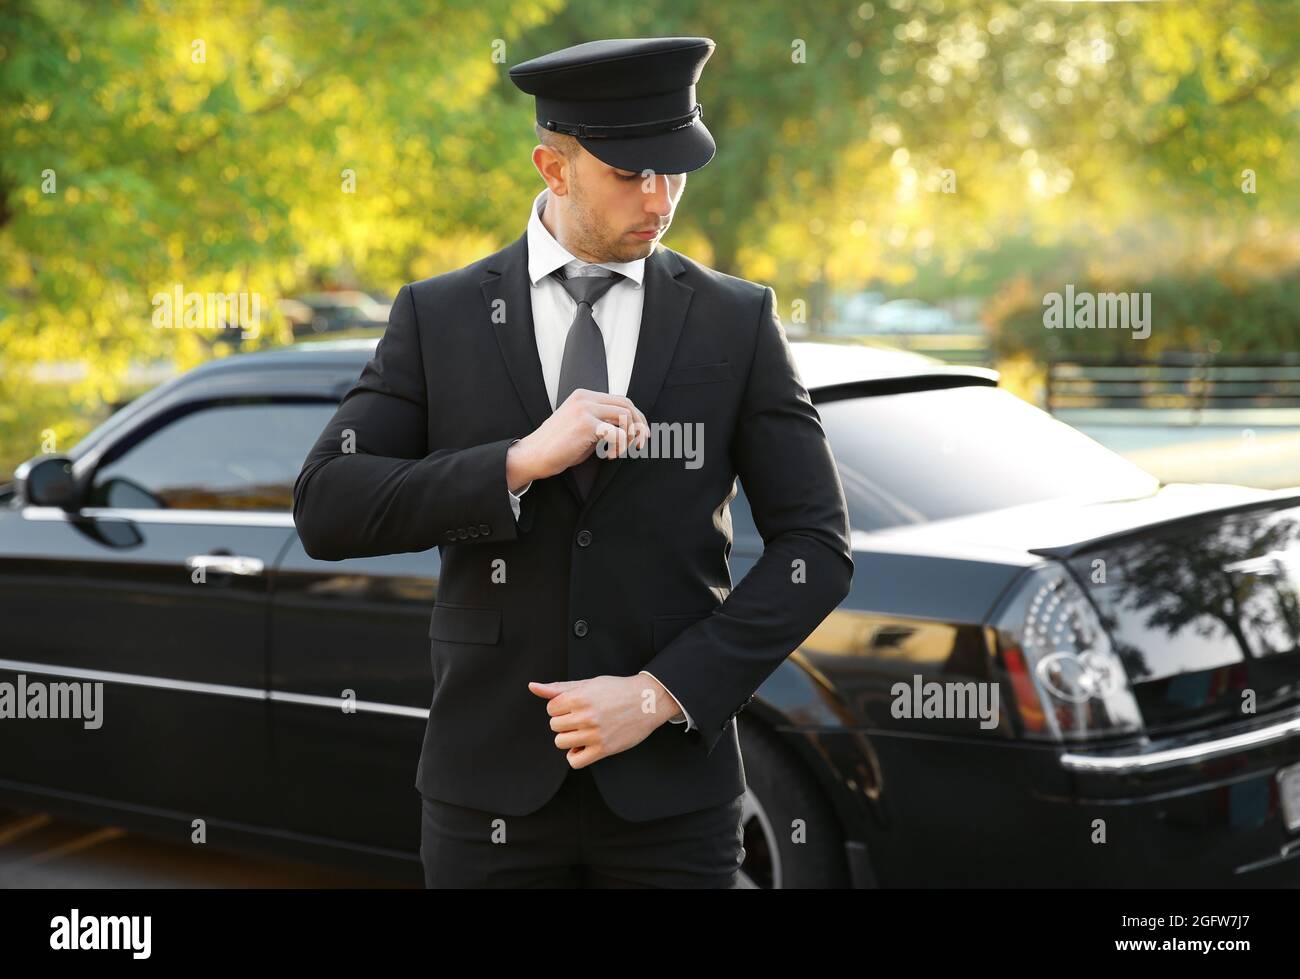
215 689
245 518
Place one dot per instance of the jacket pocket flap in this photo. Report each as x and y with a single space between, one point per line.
460 623
698 374
666 628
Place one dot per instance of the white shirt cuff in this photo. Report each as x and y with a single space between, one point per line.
514 497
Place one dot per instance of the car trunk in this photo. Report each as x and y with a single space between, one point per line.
1203 612
1197 584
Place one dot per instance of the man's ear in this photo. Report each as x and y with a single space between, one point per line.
551 165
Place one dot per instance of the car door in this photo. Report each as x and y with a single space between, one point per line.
158 589
351 682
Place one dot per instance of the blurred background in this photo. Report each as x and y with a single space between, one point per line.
914 173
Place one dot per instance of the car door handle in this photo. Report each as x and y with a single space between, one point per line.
229 563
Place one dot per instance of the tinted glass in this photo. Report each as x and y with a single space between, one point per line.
227 457
929 455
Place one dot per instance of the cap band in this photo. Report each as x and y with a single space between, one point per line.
585 130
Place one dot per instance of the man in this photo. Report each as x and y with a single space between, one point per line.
566 420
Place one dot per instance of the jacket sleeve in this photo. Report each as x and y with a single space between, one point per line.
371 486
784 462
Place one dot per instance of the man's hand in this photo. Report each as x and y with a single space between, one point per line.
571 434
604 715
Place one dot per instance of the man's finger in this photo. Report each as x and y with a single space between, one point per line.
582 757
602 402
612 435
571 721
615 414
575 739
618 438
615 426
549 690
615 403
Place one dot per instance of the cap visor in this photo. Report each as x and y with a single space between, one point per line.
678 151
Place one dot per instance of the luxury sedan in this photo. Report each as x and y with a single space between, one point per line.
1052 669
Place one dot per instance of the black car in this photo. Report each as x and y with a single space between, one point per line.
1051 669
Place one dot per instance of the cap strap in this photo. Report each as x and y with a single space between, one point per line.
590 131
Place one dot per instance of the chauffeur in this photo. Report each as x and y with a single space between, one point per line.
585 599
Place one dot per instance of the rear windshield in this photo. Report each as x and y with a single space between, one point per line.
929 455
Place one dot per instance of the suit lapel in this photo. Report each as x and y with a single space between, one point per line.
510 310
507 294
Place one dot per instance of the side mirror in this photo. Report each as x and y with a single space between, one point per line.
47 481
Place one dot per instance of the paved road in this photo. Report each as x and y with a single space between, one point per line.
38 850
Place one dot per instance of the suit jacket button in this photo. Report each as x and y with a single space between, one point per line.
451 535
584 538
580 628
484 529
473 531
462 533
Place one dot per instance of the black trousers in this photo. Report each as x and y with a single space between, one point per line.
575 840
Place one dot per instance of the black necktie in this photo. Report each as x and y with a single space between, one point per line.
583 365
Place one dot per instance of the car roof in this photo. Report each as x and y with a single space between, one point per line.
830 368
822 362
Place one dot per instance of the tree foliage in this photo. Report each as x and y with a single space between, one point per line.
856 142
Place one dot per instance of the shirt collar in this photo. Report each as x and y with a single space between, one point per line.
545 254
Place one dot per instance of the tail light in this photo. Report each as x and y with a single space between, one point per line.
1067 681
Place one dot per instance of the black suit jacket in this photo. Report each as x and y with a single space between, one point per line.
634 578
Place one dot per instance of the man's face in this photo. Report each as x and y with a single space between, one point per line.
606 207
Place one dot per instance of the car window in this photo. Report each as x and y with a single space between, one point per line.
224 457
930 455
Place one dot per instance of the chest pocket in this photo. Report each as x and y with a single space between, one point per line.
699 374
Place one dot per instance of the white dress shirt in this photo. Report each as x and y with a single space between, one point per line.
617 313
